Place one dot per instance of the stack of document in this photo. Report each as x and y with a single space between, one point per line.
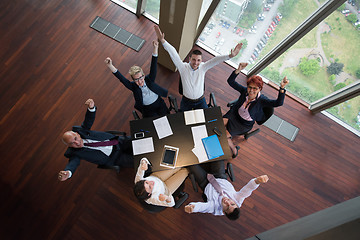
205 148
199 132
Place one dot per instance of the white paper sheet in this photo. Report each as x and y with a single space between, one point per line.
199 132
144 145
200 153
162 127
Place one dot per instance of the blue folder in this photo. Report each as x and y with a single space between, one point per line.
212 147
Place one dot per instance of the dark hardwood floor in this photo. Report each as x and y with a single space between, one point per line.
52 61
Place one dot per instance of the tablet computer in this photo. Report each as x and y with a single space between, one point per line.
169 156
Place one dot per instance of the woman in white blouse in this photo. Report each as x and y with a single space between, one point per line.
157 189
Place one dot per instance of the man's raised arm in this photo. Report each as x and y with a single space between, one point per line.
160 35
170 49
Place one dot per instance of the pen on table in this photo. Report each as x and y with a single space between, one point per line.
212 120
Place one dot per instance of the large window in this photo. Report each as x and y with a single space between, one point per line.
259 24
153 8
128 4
348 111
323 61
320 63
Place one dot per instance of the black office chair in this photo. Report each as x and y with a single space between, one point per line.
212 100
173 104
136 115
179 194
115 132
228 170
268 112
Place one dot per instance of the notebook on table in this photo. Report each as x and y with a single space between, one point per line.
212 147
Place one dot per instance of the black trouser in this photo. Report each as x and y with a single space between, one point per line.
157 108
200 172
122 153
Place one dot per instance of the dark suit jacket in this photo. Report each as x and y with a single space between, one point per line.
150 83
90 155
255 108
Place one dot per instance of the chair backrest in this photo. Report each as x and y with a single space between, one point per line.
230 104
268 112
173 104
150 207
212 100
115 132
180 87
136 115
154 208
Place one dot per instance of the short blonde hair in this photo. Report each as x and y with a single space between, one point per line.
134 70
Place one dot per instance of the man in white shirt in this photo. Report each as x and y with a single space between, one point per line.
228 201
193 73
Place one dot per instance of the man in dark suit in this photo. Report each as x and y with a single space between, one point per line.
101 148
147 93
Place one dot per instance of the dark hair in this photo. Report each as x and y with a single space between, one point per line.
257 80
196 52
234 214
140 192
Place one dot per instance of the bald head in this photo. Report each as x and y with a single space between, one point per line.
72 139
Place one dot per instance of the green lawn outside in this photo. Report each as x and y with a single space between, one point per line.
313 88
340 44
347 111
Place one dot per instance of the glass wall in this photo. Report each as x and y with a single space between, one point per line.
128 4
153 8
259 24
320 63
348 111
324 61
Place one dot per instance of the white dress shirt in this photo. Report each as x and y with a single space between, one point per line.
192 80
213 204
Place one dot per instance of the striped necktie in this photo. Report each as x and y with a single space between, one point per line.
102 144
